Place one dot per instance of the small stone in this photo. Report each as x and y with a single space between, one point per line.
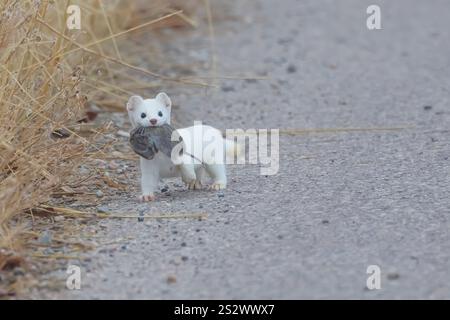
221 195
427 108
183 244
176 261
113 165
45 238
83 170
284 41
184 258
18 272
3 293
48 251
393 276
102 209
99 194
248 19
325 221
227 88
165 189
171 279
291 69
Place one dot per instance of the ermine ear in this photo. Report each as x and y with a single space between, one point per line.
133 102
164 99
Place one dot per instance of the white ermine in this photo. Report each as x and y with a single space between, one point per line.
156 112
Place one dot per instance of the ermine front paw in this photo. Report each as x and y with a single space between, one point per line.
147 198
190 185
217 186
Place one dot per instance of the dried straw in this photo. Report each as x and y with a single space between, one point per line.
49 75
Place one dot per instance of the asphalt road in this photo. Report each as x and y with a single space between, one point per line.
342 200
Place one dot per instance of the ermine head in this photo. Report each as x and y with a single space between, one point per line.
149 112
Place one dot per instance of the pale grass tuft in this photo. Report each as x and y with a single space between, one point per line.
48 75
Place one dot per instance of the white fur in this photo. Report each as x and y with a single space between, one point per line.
191 171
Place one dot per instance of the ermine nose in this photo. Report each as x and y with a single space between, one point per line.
153 121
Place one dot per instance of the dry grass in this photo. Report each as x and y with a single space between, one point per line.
50 75
39 95
54 80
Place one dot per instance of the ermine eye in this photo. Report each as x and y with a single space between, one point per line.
160 114
143 115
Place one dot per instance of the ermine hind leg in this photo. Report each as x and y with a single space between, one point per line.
218 174
200 173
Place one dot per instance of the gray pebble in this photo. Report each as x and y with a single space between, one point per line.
45 238
102 209
291 69
49 251
19 272
227 88
393 276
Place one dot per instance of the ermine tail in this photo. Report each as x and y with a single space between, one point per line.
233 149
